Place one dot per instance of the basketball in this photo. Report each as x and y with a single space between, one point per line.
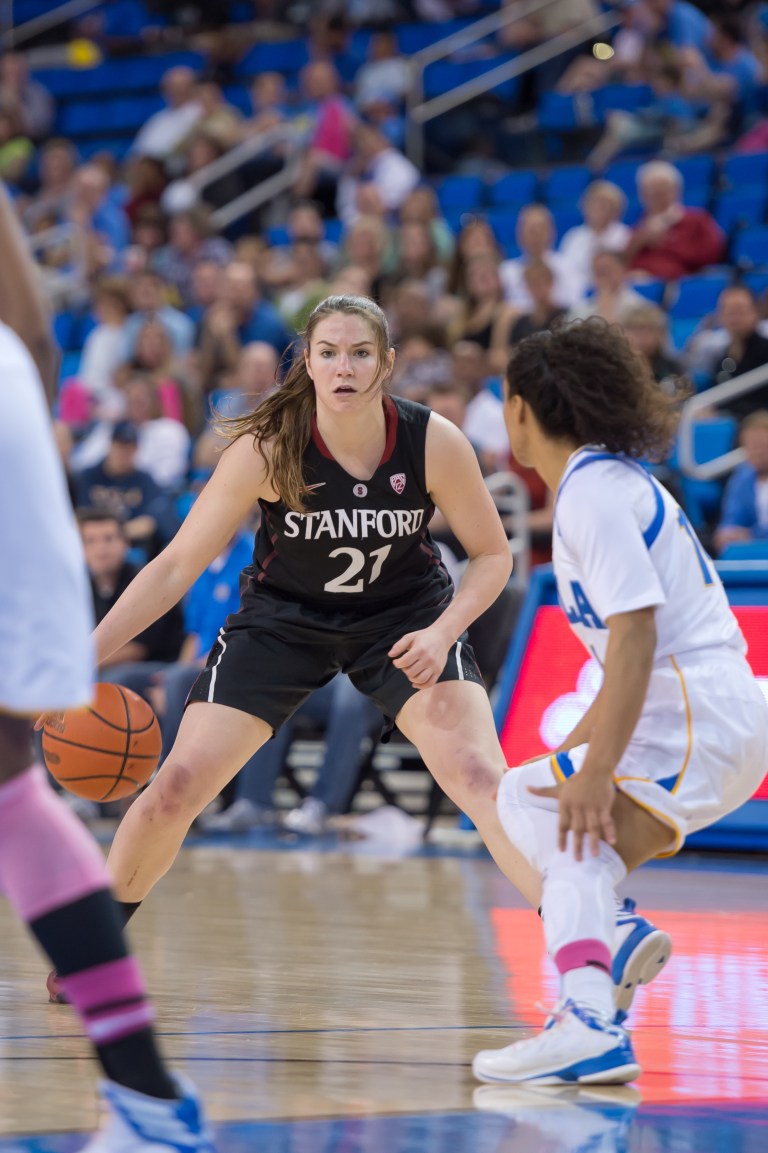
106 751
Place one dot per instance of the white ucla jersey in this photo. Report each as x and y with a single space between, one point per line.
621 542
46 659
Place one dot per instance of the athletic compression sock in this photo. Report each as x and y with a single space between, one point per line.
53 873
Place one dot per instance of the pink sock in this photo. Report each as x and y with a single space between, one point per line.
47 858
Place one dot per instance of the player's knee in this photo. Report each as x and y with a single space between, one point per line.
472 774
173 793
521 812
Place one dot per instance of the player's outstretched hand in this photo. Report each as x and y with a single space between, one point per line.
421 655
48 719
585 803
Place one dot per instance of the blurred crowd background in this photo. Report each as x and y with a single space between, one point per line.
195 176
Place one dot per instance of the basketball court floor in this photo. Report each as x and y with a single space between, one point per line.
329 997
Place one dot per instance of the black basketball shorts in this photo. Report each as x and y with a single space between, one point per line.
275 651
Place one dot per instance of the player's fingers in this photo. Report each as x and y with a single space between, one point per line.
545 790
594 829
577 835
609 829
401 646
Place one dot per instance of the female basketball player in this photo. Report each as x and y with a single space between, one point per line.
51 870
677 735
344 576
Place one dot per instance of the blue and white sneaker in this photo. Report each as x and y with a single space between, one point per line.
581 1118
575 1047
640 952
141 1124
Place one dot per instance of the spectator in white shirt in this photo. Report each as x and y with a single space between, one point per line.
378 163
536 237
166 130
164 443
386 72
603 205
612 298
104 348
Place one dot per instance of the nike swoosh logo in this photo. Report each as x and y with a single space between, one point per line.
312 487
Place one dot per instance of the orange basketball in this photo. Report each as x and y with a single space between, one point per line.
106 751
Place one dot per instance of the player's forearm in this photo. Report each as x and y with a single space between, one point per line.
22 304
628 666
483 580
151 593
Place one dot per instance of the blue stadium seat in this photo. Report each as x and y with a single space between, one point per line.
118 148
757 282
413 37
697 295
652 290
503 221
745 550
333 230
128 114
681 329
446 75
63 327
711 438
464 193
620 97
624 173
514 188
697 171
743 169
750 247
566 183
282 56
740 207
565 217
239 97
561 112
81 119
277 236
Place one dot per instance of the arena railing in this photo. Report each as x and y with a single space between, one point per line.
712 397
12 37
187 191
419 112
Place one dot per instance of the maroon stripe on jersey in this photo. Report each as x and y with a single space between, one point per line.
391 418
265 565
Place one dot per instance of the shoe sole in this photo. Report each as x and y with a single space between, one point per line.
643 966
618 1076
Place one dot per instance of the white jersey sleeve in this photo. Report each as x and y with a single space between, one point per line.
622 543
604 518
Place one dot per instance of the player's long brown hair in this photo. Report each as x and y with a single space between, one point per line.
284 419
586 384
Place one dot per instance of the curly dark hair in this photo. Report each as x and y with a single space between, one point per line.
585 383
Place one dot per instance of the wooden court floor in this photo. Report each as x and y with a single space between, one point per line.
329 999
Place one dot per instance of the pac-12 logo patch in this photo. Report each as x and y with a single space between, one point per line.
360 490
398 482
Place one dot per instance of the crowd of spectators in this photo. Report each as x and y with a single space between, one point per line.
183 320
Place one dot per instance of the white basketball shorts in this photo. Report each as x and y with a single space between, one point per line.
700 748
46 616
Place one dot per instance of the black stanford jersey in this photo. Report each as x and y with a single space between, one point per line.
359 542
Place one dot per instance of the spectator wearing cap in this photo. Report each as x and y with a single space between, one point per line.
118 485
164 132
671 240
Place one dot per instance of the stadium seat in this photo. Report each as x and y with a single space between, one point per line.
697 171
562 112
620 97
282 56
128 114
740 208
681 329
412 38
750 247
503 221
514 188
711 439
757 282
697 295
745 550
463 193
652 290
565 217
743 169
566 183
623 173
447 75
81 119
